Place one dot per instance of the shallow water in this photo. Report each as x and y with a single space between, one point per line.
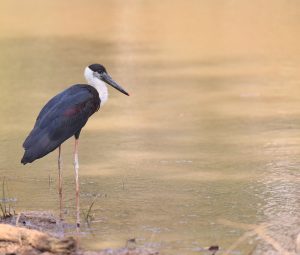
210 133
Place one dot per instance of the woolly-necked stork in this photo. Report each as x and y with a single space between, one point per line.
64 116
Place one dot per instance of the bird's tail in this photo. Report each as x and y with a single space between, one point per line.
27 158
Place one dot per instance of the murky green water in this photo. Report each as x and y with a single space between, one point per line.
210 134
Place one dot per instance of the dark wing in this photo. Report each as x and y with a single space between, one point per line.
62 117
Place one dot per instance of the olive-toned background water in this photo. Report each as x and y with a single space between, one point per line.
211 131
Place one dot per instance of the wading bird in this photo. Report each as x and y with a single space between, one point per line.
64 116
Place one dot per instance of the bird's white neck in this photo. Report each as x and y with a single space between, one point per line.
99 85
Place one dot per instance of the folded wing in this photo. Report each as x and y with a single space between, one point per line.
62 117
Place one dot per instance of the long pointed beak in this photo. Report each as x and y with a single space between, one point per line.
106 78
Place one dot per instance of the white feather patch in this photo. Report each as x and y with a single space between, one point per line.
99 85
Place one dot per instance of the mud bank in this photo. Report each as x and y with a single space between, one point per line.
40 233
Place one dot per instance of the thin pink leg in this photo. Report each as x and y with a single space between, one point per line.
59 161
76 167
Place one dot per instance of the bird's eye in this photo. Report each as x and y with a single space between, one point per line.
96 74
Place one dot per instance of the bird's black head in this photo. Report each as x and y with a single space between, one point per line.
97 68
99 72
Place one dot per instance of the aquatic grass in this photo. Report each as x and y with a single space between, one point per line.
88 215
5 205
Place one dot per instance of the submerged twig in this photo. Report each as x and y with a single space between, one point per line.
4 204
259 230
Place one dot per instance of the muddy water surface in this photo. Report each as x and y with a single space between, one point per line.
209 136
